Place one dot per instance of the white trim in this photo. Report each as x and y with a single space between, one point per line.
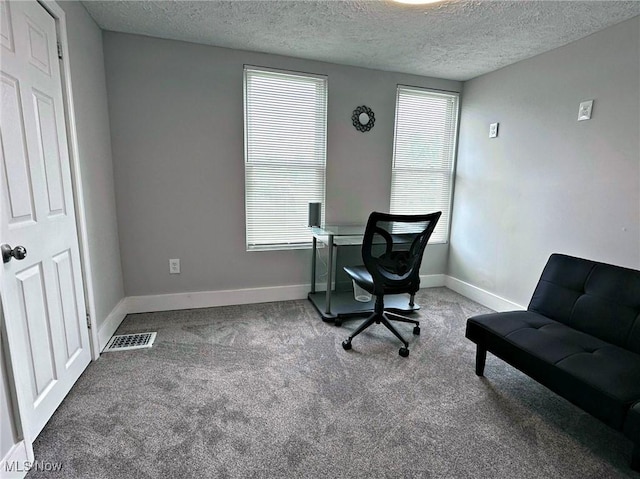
479 295
111 323
76 177
432 280
209 299
293 73
17 456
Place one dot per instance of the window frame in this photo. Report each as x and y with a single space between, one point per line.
291 245
449 172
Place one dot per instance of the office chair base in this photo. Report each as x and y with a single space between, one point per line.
384 318
399 317
404 319
346 345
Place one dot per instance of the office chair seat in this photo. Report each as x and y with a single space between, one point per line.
361 276
392 249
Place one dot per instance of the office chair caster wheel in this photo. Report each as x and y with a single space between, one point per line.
346 344
416 330
404 352
337 322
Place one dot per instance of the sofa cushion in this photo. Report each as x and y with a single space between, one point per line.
560 286
601 378
596 298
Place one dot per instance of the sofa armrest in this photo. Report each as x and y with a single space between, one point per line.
632 431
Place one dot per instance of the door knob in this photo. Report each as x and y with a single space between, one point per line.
19 252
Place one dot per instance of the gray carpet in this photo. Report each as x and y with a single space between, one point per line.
266 391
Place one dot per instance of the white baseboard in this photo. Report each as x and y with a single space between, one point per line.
112 322
479 295
433 280
209 299
12 465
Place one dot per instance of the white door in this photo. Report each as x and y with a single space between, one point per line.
42 293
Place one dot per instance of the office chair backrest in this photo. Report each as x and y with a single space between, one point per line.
392 250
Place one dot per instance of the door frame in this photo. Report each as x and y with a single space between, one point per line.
17 389
58 14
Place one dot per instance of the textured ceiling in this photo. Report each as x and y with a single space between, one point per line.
454 39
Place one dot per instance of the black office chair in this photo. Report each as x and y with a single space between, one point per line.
392 250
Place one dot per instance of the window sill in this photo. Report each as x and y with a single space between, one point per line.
279 247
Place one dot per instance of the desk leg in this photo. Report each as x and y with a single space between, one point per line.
313 265
329 274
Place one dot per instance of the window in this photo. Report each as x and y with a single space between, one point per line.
423 155
285 121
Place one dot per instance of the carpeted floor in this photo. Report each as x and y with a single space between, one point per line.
266 391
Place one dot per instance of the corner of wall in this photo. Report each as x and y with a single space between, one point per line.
111 323
479 295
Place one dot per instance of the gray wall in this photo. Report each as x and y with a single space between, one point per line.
176 112
96 167
549 183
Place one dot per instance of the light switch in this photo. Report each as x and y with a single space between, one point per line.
584 113
493 130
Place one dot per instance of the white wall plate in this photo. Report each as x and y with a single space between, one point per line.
584 113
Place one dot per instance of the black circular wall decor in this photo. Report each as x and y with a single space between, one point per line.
363 118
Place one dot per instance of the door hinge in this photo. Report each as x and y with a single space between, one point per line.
59 50
88 321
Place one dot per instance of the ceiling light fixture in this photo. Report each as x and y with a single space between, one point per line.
417 2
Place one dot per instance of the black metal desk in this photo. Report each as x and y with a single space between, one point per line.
331 304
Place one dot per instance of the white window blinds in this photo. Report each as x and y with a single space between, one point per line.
424 154
285 117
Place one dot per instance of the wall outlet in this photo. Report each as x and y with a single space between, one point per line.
493 130
584 113
174 266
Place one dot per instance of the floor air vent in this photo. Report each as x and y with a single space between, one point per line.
125 342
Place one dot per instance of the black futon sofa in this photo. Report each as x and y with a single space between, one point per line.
579 337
